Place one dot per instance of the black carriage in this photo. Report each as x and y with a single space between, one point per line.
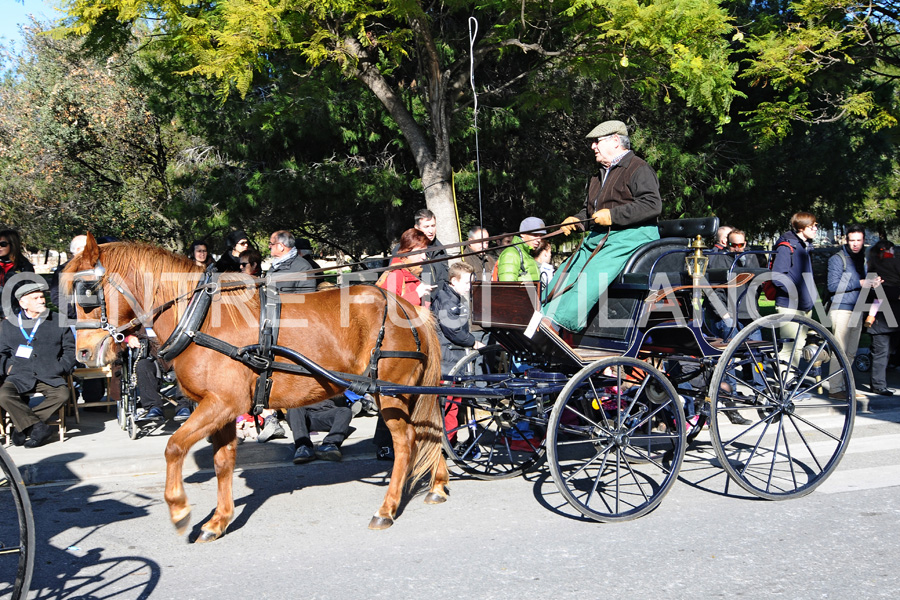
613 408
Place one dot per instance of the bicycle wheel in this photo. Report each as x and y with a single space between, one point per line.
16 535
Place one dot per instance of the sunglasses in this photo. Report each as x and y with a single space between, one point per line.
4 244
734 245
244 265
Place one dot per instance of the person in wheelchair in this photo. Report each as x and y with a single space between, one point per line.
150 380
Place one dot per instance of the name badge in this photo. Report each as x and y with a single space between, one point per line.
24 351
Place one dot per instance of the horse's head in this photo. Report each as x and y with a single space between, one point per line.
99 311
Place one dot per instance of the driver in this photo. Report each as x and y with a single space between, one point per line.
623 201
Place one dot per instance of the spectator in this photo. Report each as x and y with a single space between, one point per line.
432 274
199 252
722 232
451 309
483 262
737 316
34 359
75 247
250 262
515 262
623 202
288 266
846 277
149 379
323 416
235 243
12 262
403 282
543 255
304 249
883 262
793 279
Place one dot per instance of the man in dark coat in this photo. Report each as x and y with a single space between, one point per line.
288 266
435 273
36 355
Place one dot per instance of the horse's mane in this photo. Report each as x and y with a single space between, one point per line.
171 274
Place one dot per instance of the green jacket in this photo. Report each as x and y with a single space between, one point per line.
517 264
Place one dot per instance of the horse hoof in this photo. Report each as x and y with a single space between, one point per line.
181 525
207 536
434 498
379 523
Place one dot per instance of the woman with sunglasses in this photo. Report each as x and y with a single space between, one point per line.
235 243
12 261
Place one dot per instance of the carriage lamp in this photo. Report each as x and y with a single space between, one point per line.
696 262
696 267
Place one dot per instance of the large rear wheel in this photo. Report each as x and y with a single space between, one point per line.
492 438
775 372
616 439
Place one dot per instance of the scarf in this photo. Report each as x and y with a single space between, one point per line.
277 261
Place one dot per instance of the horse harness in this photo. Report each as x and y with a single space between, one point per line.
260 356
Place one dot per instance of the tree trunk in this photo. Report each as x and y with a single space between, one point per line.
433 165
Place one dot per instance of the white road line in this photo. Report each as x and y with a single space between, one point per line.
855 480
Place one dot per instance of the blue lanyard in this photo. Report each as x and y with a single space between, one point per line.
29 338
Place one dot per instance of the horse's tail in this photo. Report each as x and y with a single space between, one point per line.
426 414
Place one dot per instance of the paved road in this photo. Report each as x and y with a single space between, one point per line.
301 532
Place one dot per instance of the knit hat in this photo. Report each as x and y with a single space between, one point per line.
234 237
30 288
608 128
530 223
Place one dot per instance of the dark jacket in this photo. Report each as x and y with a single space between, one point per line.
7 271
797 266
451 312
748 309
228 263
843 279
52 357
483 263
630 192
296 284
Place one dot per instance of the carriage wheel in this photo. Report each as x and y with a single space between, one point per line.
491 438
798 431
16 533
616 440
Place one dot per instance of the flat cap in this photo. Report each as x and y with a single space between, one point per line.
608 128
30 288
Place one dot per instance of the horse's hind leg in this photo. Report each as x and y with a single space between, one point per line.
403 436
225 451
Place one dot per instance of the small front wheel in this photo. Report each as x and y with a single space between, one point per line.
16 533
616 439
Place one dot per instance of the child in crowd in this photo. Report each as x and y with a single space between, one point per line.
451 310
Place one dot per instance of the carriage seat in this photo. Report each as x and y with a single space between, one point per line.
665 255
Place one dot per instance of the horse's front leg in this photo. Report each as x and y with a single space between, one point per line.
206 420
404 437
225 452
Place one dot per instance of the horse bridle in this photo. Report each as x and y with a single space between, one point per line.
89 295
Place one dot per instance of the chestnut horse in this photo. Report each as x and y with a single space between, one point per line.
336 328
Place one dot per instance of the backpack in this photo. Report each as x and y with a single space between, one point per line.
522 270
768 287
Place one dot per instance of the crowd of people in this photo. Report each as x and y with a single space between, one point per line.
618 215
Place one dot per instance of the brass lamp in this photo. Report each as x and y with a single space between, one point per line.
696 267
696 262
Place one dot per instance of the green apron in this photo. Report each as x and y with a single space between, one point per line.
570 309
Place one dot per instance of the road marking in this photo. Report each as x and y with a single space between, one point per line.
856 480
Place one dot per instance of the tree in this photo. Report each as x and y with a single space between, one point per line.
415 58
79 147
